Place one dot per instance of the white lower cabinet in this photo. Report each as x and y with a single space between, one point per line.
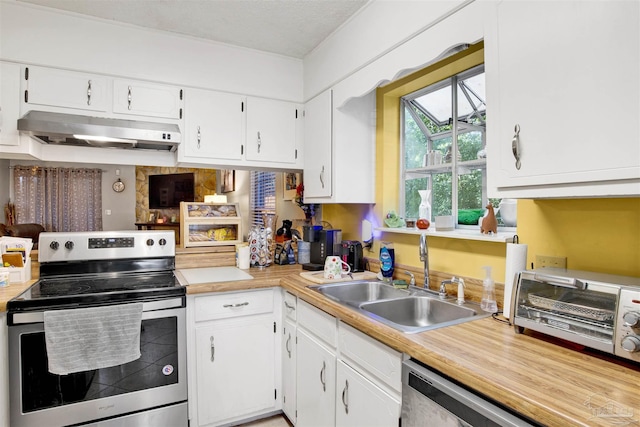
289 364
233 353
344 377
316 376
362 403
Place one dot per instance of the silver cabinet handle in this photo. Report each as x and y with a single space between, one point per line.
515 145
287 345
199 135
240 304
322 176
323 376
289 306
89 92
129 98
213 350
259 142
345 396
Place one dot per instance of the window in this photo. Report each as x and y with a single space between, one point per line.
446 157
59 199
263 196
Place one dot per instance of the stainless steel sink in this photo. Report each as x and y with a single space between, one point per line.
419 313
410 311
355 293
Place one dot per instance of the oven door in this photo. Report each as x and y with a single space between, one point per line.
157 378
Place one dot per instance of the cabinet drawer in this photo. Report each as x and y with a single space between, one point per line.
322 325
370 356
233 305
289 306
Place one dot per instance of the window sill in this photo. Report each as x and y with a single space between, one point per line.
503 236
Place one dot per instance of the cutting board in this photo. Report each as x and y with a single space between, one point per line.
318 277
213 274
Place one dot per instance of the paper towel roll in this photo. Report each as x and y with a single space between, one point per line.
244 256
516 261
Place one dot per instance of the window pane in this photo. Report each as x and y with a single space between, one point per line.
263 195
469 144
470 207
441 194
412 198
415 143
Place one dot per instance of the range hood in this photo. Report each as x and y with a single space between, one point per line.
73 129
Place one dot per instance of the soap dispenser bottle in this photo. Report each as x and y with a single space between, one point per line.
488 293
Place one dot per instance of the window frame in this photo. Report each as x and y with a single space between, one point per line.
406 104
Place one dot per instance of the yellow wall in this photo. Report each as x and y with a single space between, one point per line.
601 235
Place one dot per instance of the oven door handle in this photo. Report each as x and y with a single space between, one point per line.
567 282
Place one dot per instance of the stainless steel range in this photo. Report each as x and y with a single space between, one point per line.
82 273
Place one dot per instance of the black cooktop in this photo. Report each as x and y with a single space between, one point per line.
100 289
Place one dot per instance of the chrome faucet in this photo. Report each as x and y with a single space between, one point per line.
457 280
424 257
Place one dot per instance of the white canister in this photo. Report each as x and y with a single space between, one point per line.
4 277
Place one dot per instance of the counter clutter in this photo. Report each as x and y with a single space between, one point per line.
544 379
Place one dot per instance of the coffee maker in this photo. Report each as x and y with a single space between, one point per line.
323 243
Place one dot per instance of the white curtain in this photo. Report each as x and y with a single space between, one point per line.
60 199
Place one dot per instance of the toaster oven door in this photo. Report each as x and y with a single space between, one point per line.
567 309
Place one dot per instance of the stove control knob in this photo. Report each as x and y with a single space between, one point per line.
631 343
68 244
162 242
631 319
54 245
150 242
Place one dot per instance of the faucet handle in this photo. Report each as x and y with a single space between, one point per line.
412 281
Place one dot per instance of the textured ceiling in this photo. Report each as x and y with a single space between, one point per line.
288 27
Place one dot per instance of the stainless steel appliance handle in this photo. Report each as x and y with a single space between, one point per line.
213 350
240 304
322 376
345 396
567 282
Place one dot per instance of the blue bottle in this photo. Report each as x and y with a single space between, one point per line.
387 260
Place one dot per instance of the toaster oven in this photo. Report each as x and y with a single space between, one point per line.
599 311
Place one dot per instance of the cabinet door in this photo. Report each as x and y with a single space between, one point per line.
60 88
213 123
271 130
147 99
9 103
316 375
289 370
359 402
234 379
318 146
567 74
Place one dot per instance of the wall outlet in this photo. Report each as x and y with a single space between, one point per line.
545 261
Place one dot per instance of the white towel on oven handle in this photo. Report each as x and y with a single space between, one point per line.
83 339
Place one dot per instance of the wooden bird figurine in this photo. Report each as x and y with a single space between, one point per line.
489 223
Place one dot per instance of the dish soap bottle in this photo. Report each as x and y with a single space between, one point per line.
488 293
387 259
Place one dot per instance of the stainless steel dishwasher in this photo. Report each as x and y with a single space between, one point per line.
429 399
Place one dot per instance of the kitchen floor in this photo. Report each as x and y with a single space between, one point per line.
275 421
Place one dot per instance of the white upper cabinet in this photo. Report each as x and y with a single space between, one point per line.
147 99
567 76
52 87
9 105
318 129
272 130
213 125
